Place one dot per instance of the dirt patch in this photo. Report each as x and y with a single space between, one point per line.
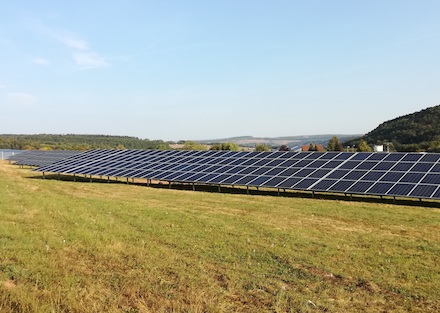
9 284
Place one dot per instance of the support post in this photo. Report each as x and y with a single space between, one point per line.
219 190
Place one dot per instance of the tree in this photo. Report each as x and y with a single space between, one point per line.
313 147
334 144
363 147
284 148
262 147
226 146
192 145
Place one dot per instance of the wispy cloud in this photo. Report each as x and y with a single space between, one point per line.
89 60
19 99
41 61
80 49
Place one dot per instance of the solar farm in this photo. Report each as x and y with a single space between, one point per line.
412 175
67 245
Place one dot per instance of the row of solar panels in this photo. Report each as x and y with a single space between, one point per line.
386 174
40 158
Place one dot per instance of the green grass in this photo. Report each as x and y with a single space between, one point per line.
96 247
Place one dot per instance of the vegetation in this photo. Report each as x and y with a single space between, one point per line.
97 247
334 144
363 147
419 131
192 145
262 147
226 146
77 142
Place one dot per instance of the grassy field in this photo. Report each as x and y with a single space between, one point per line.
95 247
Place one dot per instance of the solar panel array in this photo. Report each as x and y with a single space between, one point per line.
41 158
386 174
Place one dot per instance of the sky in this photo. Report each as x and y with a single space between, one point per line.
209 69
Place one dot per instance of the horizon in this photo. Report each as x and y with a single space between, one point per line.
170 70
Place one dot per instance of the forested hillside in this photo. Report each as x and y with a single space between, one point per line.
419 131
77 142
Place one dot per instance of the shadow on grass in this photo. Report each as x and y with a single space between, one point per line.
243 190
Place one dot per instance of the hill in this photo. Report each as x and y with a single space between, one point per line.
419 131
292 142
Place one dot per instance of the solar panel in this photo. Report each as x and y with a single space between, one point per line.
40 157
385 174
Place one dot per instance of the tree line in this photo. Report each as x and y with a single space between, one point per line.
77 142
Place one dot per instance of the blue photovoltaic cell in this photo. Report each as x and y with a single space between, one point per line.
354 175
360 187
343 156
275 171
232 179
383 166
289 182
338 174
431 179
248 170
392 176
324 184
332 164
219 178
373 175
261 170
317 163
289 163
377 156
341 186
303 173
394 157
274 182
428 157
303 163
424 191
245 180
360 156
367 165
319 173
411 157
436 194
412 178
276 162
421 167
208 177
400 190
305 183
380 188
402 167
435 169
289 172
349 165
262 162
329 155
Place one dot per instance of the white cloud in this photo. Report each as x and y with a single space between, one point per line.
19 99
89 60
41 61
74 43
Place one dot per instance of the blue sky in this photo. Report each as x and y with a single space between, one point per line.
177 70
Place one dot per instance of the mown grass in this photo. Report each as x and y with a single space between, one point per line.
97 247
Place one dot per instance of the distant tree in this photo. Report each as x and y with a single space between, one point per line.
334 144
262 147
231 146
363 147
284 148
313 147
193 145
120 147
